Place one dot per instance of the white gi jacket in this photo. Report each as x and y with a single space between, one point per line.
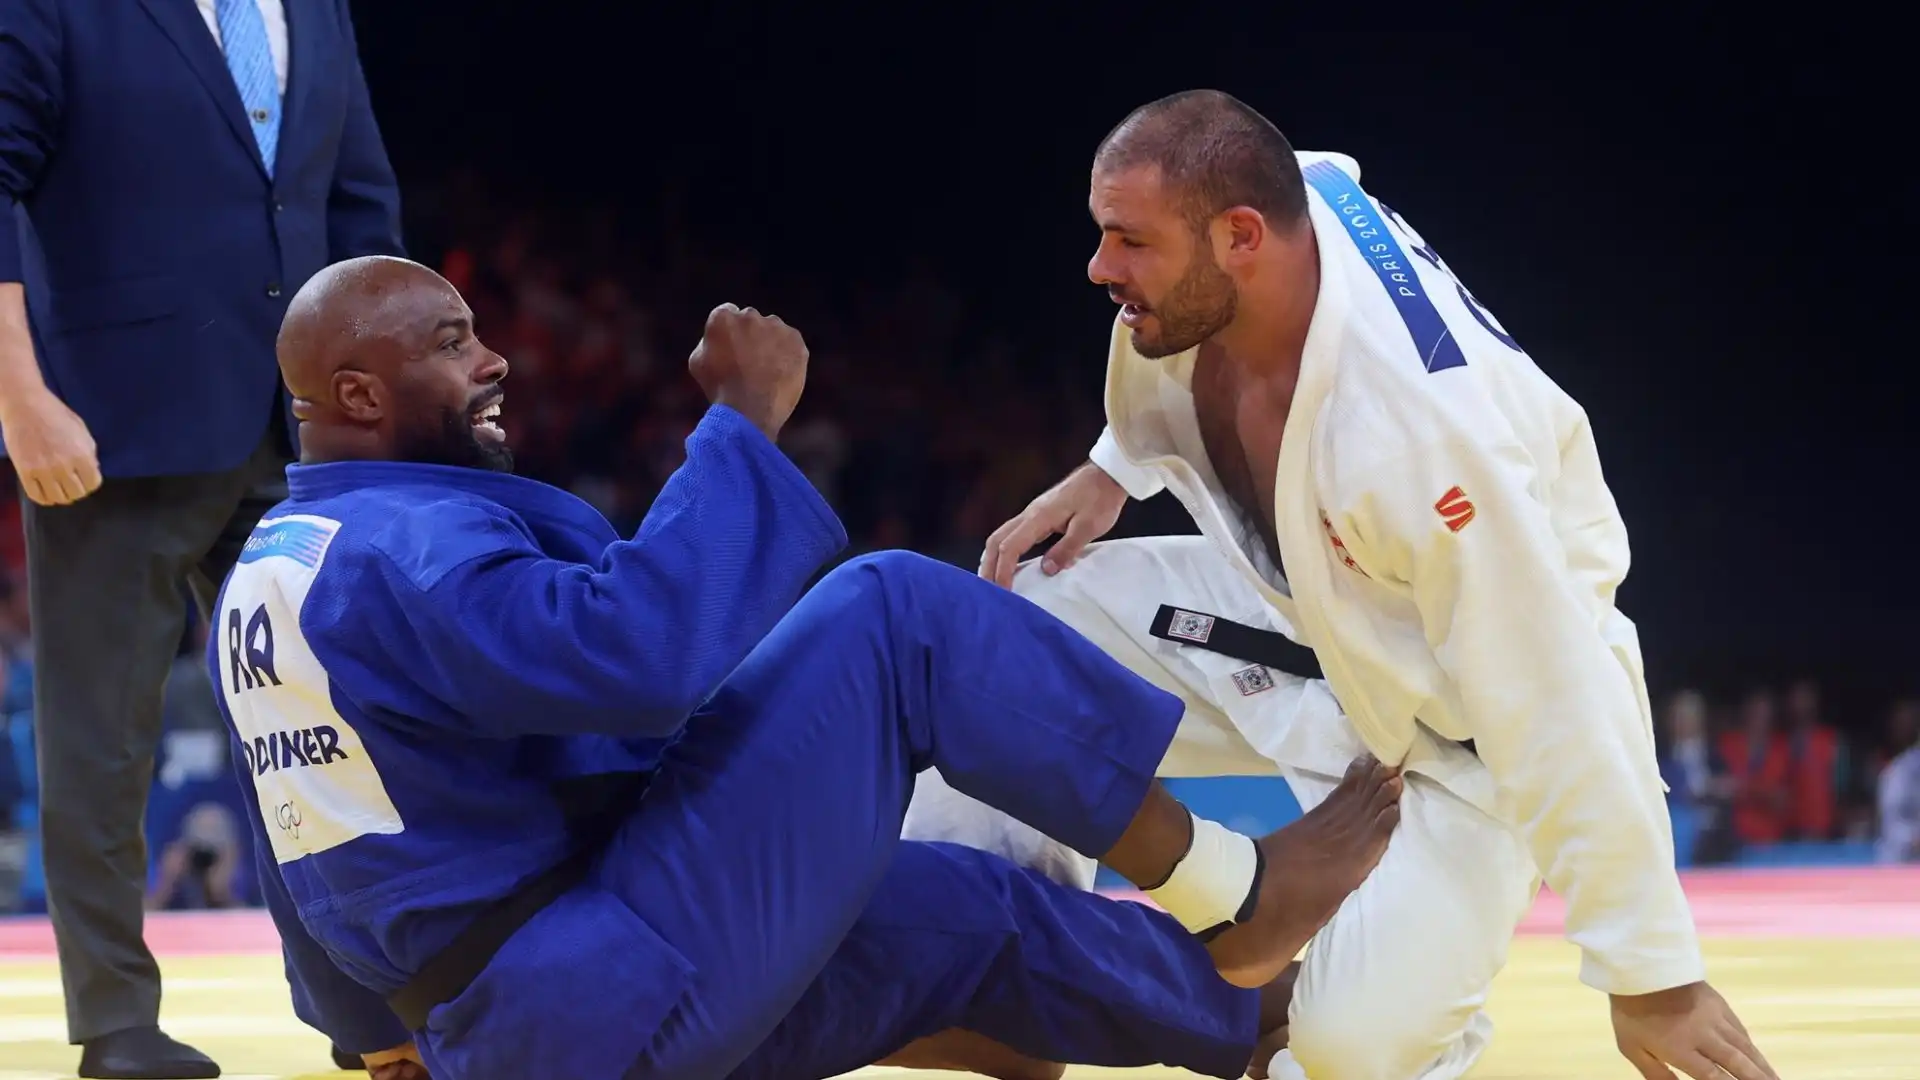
1452 554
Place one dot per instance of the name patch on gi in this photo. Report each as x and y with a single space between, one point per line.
1189 626
1254 680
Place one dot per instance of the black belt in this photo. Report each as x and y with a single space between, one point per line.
1238 640
1243 642
598 805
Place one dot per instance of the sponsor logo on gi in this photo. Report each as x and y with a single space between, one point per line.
1190 627
1253 680
1454 508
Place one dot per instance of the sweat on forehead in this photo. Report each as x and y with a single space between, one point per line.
353 303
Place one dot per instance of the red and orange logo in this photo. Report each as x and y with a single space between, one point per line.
1455 508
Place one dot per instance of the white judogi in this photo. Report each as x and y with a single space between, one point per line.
1394 987
1453 553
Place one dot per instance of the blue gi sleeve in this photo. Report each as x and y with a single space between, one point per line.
363 208
509 642
30 107
324 998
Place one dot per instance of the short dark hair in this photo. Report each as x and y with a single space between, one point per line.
1214 152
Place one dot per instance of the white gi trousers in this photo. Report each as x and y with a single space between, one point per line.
1394 988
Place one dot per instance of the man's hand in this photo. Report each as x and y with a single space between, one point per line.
1080 509
753 364
400 1063
51 448
1690 1028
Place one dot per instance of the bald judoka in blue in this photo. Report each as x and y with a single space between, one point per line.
448 685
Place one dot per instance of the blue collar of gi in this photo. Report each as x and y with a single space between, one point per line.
529 498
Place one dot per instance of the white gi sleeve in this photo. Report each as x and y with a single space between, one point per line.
1139 483
1553 713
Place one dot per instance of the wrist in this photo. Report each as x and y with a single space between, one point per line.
752 414
1673 997
22 394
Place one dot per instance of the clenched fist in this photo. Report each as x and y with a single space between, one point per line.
51 448
753 364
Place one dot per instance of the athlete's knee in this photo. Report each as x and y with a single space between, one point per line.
1351 1041
892 563
894 576
870 589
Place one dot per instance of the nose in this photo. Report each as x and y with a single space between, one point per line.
493 368
1098 270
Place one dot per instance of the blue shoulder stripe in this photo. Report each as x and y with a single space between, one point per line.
1368 230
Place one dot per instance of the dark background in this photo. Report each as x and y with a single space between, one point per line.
1699 230
1702 229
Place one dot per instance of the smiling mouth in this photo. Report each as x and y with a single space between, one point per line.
485 421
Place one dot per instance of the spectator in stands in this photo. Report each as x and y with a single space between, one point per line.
16 638
13 795
1902 729
1818 766
1900 791
1756 759
1700 791
197 868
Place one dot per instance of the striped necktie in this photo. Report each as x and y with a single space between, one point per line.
243 34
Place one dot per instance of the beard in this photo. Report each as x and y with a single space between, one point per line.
1201 304
453 441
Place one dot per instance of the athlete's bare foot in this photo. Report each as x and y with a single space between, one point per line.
1311 867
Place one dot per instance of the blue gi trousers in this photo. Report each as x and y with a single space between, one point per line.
958 938
772 828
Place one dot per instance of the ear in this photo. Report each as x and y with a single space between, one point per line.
1240 233
360 397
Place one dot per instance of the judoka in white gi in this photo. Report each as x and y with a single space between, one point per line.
1380 473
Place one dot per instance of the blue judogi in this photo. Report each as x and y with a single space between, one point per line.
421 662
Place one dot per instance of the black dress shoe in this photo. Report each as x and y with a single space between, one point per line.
346 1062
143 1053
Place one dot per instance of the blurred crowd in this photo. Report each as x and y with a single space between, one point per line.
921 422
1776 769
926 428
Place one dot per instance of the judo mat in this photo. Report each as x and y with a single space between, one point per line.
1824 966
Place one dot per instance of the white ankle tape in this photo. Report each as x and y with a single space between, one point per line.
1212 883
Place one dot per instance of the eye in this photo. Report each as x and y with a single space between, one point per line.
1131 244
451 345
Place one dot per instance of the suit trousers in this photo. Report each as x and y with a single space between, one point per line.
108 581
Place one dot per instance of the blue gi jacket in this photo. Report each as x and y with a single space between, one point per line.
416 659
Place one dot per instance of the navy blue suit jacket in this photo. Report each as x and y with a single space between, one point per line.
158 255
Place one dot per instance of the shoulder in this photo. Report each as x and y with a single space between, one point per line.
1375 421
413 540
1408 455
